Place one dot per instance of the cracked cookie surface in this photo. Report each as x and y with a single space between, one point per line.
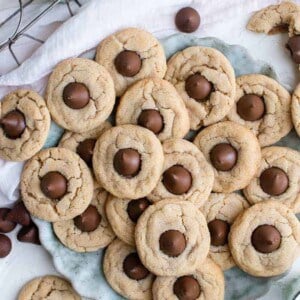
144 44
96 88
37 122
216 70
245 254
296 109
159 95
48 288
79 180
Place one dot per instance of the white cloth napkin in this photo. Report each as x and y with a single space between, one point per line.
99 18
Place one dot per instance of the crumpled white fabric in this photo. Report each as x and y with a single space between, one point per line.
96 20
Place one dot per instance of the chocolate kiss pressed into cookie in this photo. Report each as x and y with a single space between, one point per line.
136 207
76 95
293 46
251 107
186 288
128 63
198 87
54 185
13 124
89 220
172 243
133 267
85 150
219 231
152 120
223 157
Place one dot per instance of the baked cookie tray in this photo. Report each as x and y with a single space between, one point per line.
84 270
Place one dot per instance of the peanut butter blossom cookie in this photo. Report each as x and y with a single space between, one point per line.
296 109
263 106
277 178
154 103
125 272
205 80
186 174
56 185
48 287
24 125
80 94
220 211
128 161
265 239
206 282
234 153
172 238
130 55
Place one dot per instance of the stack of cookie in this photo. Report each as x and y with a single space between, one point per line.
167 208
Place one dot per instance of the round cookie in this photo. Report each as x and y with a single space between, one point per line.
265 239
128 161
130 55
172 238
205 283
205 80
24 125
123 215
263 106
56 185
220 211
277 178
154 103
89 231
125 273
234 153
80 94
48 287
186 174
296 109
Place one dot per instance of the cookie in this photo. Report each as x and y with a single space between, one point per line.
123 215
263 106
130 55
89 231
56 185
234 153
265 239
24 125
296 109
128 161
172 238
48 287
154 103
125 273
206 282
205 80
186 174
80 94
83 143
277 178
220 211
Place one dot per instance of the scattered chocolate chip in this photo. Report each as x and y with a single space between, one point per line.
251 107
85 150
293 46
128 63
219 231
54 185
133 267
89 220
76 95
29 234
5 245
187 20
152 120
13 124
136 207
223 157
198 87
266 239
6 225
19 214
187 288
172 243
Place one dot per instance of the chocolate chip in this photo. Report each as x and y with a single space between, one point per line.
177 180
219 231
187 20
266 239
251 107
293 46
128 63
172 243
136 207
133 267
5 245
127 162
54 185
152 120
187 288
29 234
223 157
76 95
13 124
19 214
274 181
85 150
198 87
89 220
6 225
